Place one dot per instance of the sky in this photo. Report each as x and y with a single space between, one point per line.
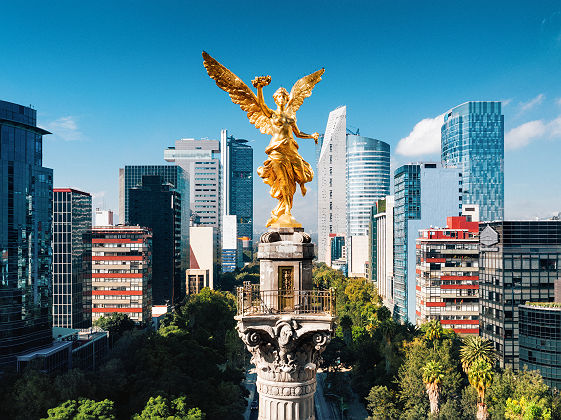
117 82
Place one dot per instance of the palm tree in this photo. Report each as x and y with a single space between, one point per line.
476 348
433 331
480 375
387 330
433 374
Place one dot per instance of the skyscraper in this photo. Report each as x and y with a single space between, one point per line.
519 262
25 234
131 176
156 205
331 176
368 180
425 194
237 182
72 258
200 159
473 141
353 173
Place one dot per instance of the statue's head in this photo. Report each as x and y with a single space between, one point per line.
281 96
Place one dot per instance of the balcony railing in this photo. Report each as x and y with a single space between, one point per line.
253 301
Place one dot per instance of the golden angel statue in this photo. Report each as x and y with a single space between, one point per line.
284 167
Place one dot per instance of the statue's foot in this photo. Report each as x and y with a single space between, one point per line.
284 220
271 221
303 189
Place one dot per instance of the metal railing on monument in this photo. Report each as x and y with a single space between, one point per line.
251 300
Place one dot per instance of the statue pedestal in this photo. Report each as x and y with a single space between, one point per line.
285 325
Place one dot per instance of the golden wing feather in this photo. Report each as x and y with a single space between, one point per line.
239 93
303 89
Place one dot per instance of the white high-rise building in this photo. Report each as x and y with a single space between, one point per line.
103 218
353 174
332 196
200 159
384 251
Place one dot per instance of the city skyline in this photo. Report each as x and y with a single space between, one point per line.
409 70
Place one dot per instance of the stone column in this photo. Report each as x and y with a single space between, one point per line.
286 353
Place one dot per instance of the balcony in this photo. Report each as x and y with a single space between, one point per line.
253 301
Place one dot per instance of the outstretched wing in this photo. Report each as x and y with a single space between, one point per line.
239 93
302 89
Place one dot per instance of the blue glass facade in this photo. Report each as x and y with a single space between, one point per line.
473 140
425 195
156 205
540 341
72 259
25 235
131 177
229 260
521 264
368 180
407 190
337 244
240 194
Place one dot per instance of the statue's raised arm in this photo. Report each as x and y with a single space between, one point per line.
284 167
239 93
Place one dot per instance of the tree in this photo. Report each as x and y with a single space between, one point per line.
32 394
433 374
476 348
433 331
160 408
527 410
116 323
516 385
480 375
83 409
412 391
382 404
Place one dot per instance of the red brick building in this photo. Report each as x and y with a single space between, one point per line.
447 275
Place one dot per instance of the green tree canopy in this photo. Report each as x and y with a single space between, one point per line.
116 323
83 409
160 408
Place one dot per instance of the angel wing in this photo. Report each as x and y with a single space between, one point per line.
239 93
303 89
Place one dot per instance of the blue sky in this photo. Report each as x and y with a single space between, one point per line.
118 82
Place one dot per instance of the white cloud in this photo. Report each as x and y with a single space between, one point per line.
506 102
66 128
523 134
558 101
424 139
526 106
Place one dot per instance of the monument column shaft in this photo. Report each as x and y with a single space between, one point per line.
274 405
285 325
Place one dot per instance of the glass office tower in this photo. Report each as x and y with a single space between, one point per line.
519 262
368 180
425 195
156 205
237 179
473 140
25 234
72 258
131 176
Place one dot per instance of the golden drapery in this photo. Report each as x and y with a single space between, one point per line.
283 169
